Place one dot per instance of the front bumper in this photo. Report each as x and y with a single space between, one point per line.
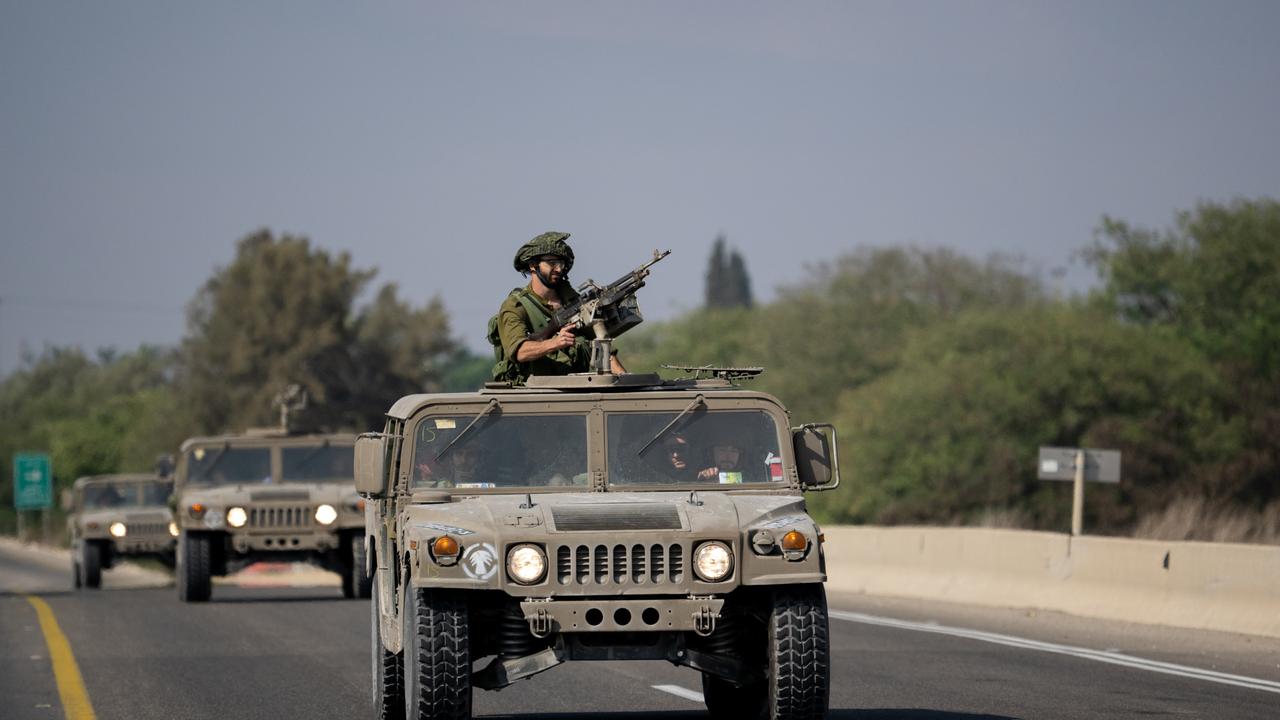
618 615
283 541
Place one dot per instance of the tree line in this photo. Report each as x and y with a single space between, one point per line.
943 373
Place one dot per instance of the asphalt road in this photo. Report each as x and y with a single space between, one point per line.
288 652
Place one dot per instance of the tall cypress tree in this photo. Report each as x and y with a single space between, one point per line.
727 282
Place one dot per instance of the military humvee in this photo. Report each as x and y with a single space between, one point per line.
597 517
267 495
114 516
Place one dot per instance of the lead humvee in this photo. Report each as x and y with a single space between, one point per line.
115 516
597 517
267 495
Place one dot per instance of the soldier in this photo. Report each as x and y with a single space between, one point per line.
546 260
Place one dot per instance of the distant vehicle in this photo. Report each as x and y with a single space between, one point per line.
267 495
597 517
116 516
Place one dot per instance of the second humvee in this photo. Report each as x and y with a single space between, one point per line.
597 517
267 495
115 516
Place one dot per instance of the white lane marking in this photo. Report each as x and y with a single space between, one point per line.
1106 656
678 691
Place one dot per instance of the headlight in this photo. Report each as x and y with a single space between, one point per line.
526 564
173 529
237 517
325 514
118 529
712 561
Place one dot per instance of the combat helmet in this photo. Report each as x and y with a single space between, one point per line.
548 243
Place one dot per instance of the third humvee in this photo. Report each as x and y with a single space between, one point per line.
267 495
597 517
115 516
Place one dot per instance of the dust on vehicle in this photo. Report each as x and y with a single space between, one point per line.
597 517
113 517
271 496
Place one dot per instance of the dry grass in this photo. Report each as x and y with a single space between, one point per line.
1001 517
1195 519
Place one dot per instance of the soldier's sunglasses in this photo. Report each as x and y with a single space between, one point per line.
556 262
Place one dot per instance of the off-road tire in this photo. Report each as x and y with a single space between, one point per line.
437 656
388 673
91 564
194 560
356 582
799 654
797 685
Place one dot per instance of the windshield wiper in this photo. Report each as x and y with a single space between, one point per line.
699 400
493 403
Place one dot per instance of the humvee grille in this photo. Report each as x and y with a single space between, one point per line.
150 528
280 517
630 516
621 564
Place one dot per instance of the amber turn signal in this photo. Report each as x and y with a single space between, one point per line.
794 540
444 546
197 510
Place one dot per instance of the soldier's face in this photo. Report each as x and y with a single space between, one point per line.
552 268
466 459
677 450
726 457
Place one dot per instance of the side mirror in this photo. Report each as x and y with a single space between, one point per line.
817 461
371 465
68 499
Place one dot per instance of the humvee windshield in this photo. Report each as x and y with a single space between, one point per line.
126 494
501 451
227 465
720 448
318 463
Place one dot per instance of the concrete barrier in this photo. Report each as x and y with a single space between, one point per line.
1215 586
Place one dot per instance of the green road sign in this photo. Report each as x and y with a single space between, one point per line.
32 481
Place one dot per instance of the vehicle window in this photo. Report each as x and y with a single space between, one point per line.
318 463
501 451
714 448
109 495
223 465
156 493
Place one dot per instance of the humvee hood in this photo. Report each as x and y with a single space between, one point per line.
252 492
698 513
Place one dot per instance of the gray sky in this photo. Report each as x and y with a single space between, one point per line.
140 140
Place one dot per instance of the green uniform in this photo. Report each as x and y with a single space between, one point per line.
524 312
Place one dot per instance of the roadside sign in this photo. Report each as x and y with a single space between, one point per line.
32 481
1058 463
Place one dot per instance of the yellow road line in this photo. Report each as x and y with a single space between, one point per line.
75 700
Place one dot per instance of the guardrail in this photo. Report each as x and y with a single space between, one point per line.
1214 586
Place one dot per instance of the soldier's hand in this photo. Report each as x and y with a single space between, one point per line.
564 338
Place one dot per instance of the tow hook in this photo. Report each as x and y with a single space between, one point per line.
540 623
704 621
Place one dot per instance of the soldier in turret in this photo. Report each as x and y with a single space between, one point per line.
546 260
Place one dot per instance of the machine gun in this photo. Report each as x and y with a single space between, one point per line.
607 311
